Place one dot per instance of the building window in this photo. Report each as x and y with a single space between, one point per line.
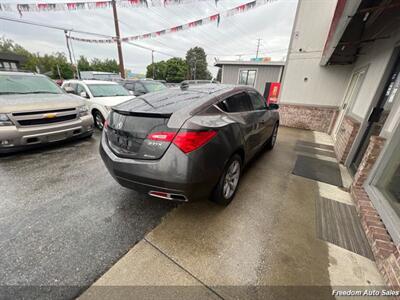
13 66
389 182
247 77
384 185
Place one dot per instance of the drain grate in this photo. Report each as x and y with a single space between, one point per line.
338 223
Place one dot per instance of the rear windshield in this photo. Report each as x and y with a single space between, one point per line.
107 90
27 84
154 86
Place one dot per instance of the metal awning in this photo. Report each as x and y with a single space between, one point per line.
356 23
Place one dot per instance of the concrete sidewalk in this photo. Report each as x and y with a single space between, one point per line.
263 245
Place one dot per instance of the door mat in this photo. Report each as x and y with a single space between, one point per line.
315 145
311 150
318 169
339 224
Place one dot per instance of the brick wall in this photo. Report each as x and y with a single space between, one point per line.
375 146
308 117
386 253
345 137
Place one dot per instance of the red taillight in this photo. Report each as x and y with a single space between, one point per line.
105 125
164 136
186 141
192 140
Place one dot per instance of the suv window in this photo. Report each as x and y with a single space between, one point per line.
258 101
80 89
236 103
129 86
139 87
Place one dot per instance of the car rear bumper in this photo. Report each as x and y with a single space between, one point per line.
175 173
14 138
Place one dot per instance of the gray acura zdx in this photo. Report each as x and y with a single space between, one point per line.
188 143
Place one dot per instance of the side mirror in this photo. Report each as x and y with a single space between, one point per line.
69 90
273 106
84 95
131 93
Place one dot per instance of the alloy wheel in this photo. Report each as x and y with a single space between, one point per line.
231 179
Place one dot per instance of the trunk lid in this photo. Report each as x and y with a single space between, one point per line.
127 134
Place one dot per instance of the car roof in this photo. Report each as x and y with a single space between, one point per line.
21 73
171 100
90 81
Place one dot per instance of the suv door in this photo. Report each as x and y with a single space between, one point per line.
240 108
264 116
79 89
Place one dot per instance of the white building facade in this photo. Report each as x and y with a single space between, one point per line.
342 77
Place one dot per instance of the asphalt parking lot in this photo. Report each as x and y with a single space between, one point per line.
64 221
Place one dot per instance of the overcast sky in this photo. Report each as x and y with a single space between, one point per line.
235 35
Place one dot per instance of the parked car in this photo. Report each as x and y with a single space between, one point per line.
100 96
35 111
185 144
141 87
202 81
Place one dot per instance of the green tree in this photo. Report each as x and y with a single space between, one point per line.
196 60
159 69
83 64
176 70
107 65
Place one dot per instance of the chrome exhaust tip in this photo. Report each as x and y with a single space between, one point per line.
168 196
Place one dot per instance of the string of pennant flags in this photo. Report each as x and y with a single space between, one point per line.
215 18
80 5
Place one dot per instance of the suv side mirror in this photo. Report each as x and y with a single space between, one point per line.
273 106
69 89
131 93
84 95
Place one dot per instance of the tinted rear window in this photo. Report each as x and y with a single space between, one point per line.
237 103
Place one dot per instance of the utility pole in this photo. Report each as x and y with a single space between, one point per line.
118 36
69 51
152 63
258 47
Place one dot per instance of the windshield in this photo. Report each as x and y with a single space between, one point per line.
107 90
27 84
154 86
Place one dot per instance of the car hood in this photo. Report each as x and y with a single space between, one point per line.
34 102
111 101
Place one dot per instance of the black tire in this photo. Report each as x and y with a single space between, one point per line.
98 119
271 141
219 195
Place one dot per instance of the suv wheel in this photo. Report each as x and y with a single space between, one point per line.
229 181
271 141
98 119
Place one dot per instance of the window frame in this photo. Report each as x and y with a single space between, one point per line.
385 210
232 95
258 94
247 70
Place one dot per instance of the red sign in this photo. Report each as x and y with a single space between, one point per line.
273 94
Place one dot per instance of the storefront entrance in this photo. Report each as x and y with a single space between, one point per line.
379 114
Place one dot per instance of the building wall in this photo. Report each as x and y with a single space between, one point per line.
264 74
305 81
376 57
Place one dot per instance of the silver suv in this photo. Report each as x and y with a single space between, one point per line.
35 111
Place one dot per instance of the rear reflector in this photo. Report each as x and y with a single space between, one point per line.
186 141
161 136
